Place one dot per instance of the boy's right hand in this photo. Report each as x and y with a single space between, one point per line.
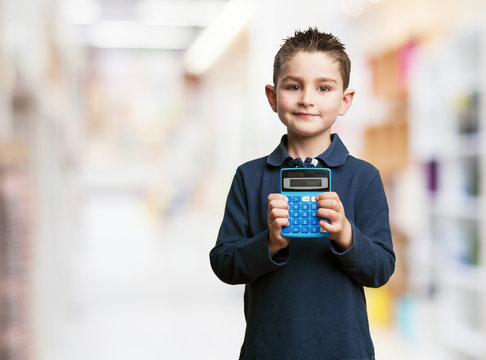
278 216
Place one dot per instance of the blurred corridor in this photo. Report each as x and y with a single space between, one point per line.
122 123
152 297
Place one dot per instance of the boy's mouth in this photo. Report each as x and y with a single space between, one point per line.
304 115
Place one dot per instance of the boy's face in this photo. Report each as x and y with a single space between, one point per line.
309 94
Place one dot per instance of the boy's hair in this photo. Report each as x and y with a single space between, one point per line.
313 40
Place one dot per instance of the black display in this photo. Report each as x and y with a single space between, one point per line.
306 182
305 179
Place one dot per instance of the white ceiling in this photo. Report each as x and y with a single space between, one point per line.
144 24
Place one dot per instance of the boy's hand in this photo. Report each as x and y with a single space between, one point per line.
330 207
278 216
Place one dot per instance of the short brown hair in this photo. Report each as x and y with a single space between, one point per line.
313 40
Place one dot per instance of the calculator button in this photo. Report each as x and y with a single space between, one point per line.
303 217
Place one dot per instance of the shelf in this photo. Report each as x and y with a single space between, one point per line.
469 145
464 276
455 206
448 118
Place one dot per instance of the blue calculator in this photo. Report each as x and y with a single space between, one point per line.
301 186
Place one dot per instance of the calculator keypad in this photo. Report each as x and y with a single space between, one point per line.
303 217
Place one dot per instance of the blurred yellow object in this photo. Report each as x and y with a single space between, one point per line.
379 304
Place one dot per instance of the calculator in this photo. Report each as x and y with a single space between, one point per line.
301 186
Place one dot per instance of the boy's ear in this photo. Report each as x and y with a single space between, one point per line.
347 101
271 96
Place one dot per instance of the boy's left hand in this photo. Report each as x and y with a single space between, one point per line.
340 229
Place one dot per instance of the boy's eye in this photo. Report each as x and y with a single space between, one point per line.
293 87
324 88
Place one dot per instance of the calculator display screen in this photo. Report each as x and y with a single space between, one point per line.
307 179
306 182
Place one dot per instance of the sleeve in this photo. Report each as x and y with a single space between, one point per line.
370 261
237 257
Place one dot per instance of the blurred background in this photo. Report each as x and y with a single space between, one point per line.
122 123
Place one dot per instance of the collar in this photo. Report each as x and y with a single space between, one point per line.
335 155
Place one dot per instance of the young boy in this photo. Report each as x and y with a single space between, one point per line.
304 297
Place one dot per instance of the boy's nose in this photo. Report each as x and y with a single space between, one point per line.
306 98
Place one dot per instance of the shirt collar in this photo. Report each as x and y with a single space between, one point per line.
335 155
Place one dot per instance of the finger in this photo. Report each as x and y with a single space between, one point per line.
280 222
329 227
330 214
276 213
281 204
275 227
277 196
329 204
277 201
327 195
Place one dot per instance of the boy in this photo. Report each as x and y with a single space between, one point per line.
304 297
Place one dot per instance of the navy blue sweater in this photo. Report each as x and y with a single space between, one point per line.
307 301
